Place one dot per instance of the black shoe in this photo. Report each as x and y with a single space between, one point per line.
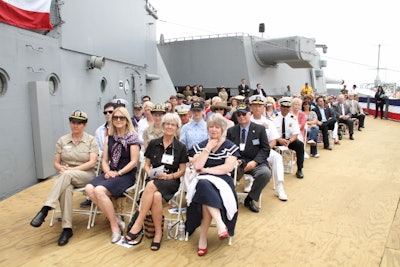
38 219
359 128
248 202
65 235
351 137
85 204
299 174
328 148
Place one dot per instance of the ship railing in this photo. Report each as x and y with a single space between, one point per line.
209 36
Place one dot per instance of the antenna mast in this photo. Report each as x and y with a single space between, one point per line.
377 80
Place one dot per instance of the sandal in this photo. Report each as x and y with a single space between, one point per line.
155 246
131 238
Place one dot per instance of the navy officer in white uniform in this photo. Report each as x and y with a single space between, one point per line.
288 132
257 108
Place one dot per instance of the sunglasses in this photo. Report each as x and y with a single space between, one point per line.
118 118
239 114
219 109
108 111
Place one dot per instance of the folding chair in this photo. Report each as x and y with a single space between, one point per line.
175 204
242 195
130 193
82 190
287 156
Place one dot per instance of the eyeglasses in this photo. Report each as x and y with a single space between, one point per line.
239 114
108 111
118 118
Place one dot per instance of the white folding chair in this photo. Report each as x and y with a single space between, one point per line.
176 203
82 190
242 195
130 194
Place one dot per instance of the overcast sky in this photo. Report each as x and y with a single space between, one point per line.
351 29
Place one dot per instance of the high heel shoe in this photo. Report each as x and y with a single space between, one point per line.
121 224
201 251
154 245
115 237
132 238
223 235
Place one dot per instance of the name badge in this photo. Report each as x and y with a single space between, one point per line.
242 146
67 147
167 159
256 142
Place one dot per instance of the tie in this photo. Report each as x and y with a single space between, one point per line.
283 128
243 137
353 108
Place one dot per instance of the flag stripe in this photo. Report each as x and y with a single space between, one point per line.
31 5
25 18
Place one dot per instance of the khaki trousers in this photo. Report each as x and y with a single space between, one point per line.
62 191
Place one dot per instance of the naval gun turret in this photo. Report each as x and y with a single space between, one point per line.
224 59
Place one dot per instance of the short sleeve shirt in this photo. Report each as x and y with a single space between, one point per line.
76 154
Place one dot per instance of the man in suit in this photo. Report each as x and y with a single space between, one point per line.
259 90
326 120
254 150
343 113
356 110
243 88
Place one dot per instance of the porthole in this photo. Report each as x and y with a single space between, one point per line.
4 78
103 84
54 83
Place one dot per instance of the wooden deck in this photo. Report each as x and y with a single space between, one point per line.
343 213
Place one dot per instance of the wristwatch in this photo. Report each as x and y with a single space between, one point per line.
120 173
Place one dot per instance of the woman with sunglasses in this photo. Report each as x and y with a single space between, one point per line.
75 159
169 152
119 163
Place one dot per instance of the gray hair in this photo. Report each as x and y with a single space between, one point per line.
217 119
171 117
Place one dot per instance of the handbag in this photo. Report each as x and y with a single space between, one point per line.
149 231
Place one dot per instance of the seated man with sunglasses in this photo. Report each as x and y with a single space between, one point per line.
102 132
254 150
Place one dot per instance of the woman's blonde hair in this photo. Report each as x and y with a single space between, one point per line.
148 104
171 117
217 119
269 99
297 100
129 125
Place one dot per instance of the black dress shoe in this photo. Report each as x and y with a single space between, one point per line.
38 219
299 174
85 204
250 204
65 235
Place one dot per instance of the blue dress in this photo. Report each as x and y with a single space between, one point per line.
119 184
207 193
